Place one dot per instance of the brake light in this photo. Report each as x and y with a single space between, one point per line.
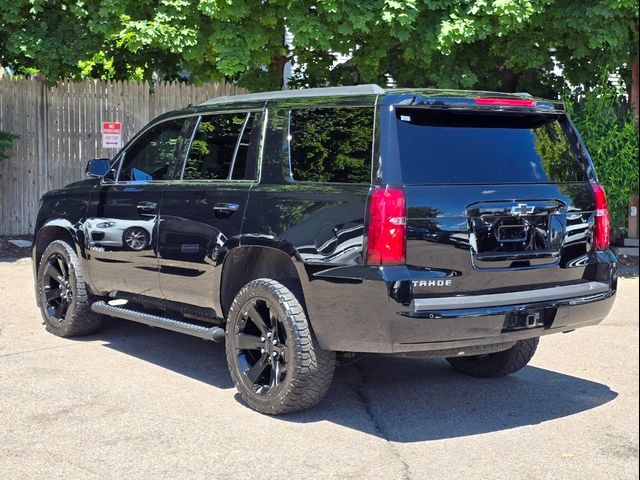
602 225
505 102
387 226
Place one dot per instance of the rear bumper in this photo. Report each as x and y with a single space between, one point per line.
364 309
494 301
450 329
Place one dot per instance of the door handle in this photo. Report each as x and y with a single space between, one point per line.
147 207
226 207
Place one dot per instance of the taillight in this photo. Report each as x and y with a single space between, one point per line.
387 226
505 102
602 226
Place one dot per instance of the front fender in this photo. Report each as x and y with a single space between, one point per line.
52 229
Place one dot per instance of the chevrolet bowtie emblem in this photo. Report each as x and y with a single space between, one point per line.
522 209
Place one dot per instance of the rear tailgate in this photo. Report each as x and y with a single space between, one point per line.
496 201
483 246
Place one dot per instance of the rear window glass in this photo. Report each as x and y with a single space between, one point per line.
331 144
452 147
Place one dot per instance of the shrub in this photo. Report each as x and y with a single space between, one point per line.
610 132
6 142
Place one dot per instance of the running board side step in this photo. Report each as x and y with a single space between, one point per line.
215 334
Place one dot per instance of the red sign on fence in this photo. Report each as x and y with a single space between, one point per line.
111 135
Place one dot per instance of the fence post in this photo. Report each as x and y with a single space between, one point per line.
151 96
43 135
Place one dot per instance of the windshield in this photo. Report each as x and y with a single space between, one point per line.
443 147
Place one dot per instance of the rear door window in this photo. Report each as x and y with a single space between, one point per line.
214 147
331 144
439 147
246 159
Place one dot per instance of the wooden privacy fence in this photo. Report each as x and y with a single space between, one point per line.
60 129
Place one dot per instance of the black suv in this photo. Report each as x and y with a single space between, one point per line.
301 225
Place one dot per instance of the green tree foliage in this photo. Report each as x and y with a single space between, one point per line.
611 137
45 36
493 45
558 158
205 39
490 44
6 143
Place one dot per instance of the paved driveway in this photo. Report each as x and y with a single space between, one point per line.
135 402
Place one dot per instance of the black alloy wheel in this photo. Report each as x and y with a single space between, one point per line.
262 351
57 289
273 356
63 296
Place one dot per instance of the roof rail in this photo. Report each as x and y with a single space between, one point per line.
299 93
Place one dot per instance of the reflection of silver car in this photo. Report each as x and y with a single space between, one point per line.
111 232
577 229
344 247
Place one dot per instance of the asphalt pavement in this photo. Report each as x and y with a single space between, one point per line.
134 402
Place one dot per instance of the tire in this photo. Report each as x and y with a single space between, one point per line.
65 302
135 238
274 359
497 364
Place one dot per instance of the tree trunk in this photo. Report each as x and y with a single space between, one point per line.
509 82
635 85
277 68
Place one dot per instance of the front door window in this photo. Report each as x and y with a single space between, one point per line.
153 154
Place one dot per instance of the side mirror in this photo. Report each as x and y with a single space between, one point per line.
98 167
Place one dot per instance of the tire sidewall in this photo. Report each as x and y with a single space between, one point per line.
58 248
497 364
269 403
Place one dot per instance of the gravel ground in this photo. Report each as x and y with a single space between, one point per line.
135 402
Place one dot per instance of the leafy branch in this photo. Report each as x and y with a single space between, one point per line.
6 143
610 131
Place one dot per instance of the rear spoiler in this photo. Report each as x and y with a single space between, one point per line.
520 103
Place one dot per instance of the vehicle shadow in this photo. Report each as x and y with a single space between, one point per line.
418 399
189 356
11 259
397 398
